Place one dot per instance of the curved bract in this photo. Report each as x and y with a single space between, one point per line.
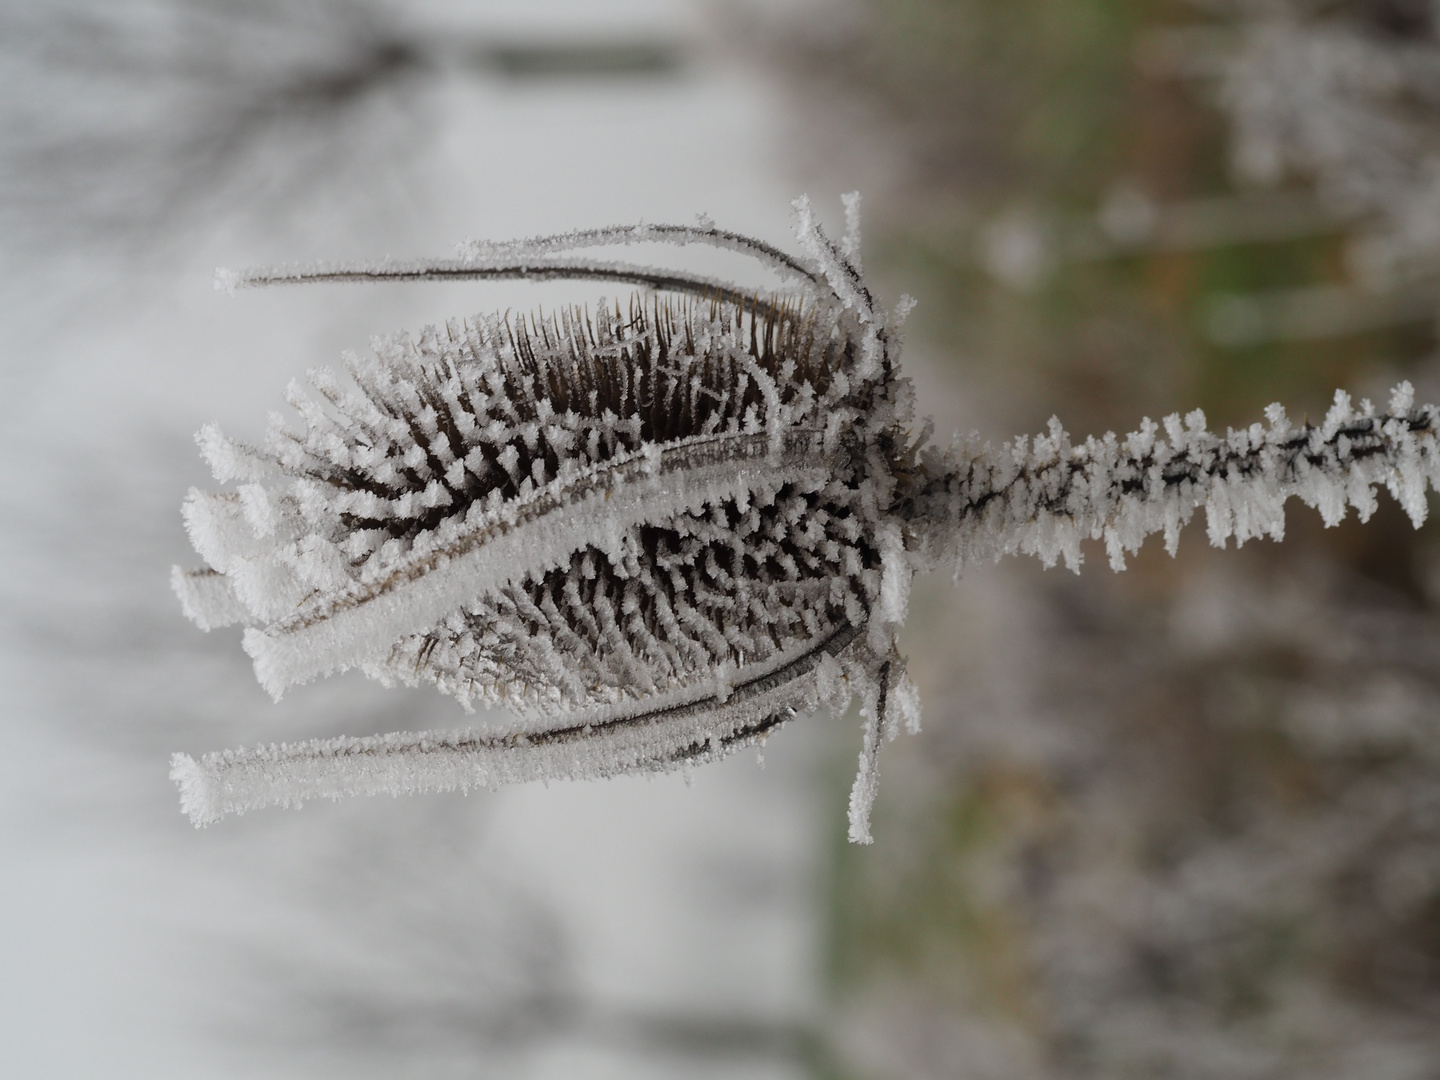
651 530
720 720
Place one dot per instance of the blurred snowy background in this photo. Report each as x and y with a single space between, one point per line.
1183 822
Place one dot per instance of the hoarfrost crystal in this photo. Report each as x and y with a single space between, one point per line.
658 530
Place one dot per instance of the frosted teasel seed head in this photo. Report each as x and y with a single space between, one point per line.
654 530
659 529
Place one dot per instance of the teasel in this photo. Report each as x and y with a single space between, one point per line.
658 530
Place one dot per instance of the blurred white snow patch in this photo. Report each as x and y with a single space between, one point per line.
1128 215
1016 249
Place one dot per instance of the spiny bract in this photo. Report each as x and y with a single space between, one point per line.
664 519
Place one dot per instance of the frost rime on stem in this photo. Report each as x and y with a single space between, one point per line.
1043 498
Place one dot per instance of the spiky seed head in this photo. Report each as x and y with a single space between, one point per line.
589 517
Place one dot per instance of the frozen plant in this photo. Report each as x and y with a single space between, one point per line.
656 531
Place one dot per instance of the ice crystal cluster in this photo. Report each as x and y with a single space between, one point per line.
656 530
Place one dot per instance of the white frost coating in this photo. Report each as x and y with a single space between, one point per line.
359 623
219 531
850 242
206 598
487 252
229 460
643 532
867 776
199 790
845 282
655 535
895 574
904 704
234 781
225 281
1041 499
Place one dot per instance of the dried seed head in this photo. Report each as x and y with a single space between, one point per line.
657 531
656 609
674 507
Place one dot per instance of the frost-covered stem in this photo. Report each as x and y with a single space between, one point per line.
975 504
